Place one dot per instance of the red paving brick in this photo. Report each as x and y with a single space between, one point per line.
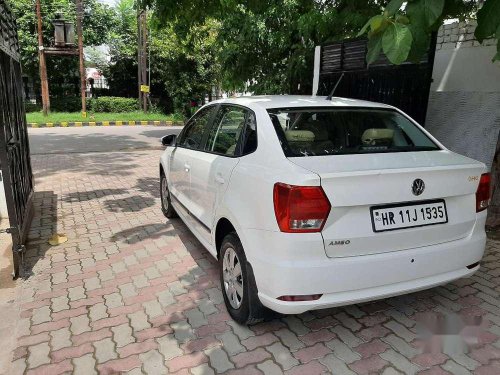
126 279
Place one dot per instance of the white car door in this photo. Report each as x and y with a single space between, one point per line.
189 141
211 170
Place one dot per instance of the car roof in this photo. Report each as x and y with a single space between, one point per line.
294 101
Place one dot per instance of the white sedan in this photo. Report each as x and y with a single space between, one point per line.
310 203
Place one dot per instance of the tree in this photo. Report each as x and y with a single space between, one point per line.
403 32
122 68
62 71
268 44
186 65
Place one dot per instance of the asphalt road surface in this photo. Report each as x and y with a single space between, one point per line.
97 139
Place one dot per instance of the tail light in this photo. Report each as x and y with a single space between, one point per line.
300 209
483 192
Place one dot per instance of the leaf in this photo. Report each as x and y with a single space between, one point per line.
396 43
376 22
402 19
365 27
420 45
497 56
57 239
374 48
393 7
432 10
488 20
425 12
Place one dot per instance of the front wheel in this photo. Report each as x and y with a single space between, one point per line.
238 283
166 205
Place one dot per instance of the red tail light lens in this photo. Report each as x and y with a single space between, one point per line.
300 209
483 192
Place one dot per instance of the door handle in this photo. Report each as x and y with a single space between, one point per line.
220 179
187 167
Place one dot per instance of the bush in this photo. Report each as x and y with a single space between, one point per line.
30 107
104 104
66 104
113 104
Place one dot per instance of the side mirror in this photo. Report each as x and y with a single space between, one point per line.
168 140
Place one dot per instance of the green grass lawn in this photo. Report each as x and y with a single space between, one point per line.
38 117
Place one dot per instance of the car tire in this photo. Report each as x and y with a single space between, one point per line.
246 308
166 205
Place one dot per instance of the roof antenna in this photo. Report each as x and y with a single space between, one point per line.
329 97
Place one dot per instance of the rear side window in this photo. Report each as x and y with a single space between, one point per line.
313 132
233 133
192 136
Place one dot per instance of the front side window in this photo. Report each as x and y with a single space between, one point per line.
227 130
195 129
314 132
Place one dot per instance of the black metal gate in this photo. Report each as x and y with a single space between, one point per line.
14 145
405 86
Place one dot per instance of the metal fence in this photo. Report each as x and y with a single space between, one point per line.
14 146
405 86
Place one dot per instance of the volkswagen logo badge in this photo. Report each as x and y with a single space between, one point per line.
418 187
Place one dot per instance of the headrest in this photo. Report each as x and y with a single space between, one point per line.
318 128
299 136
371 136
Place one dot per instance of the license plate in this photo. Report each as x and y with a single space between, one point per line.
409 215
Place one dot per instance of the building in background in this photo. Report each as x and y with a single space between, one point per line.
464 102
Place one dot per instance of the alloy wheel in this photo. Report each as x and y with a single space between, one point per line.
164 194
233 278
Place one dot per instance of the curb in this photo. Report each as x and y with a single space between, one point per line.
65 124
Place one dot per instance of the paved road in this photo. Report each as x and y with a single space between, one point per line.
132 292
97 139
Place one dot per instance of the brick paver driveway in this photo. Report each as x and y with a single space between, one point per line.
132 292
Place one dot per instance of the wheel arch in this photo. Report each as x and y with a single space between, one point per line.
222 229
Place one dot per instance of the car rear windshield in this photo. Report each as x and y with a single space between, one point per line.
314 132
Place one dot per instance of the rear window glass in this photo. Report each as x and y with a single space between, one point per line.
313 132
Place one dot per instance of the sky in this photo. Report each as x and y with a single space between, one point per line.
108 2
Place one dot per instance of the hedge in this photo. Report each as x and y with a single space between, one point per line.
104 104
113 104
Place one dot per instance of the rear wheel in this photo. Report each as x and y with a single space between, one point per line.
238 283
166 205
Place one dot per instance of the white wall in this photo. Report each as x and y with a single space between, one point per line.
3 204
464 102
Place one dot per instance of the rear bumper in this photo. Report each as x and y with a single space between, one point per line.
348 280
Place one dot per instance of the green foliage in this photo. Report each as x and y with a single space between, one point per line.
404 34
121 71
106 104
393 7
185 65
62 71
488 21
66 104
30 107
396 42
266 46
